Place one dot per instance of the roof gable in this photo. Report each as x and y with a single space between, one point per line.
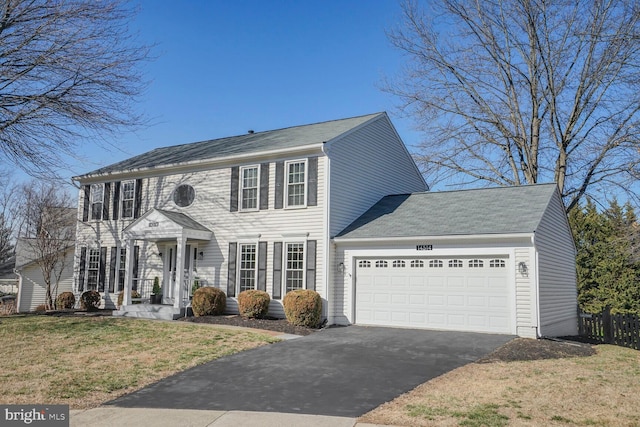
247 144
503 210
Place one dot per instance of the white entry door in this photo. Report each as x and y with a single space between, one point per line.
169 277
456 293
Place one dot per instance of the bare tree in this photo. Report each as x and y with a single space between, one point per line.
525 91
68 71
9 215
48 231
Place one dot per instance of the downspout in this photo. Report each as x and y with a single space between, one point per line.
327 231
17 273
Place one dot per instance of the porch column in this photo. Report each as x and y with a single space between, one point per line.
178 291
128 274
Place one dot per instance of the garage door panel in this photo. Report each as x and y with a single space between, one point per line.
440 296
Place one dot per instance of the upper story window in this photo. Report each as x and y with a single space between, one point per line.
249 187
184 195
128 189
97 200
296 183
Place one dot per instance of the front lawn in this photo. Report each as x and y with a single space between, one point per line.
598 390
85 361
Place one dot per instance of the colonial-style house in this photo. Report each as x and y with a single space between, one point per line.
312 207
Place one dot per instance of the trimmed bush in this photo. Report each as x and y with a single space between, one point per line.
65 301
208 301
253 303
134 294
303 307
90 300
41 308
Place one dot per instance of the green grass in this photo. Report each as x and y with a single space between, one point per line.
86 361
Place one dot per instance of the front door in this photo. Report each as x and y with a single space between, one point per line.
169 276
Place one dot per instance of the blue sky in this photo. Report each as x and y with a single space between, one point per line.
224 67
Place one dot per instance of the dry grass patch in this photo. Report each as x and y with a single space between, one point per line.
599 390
84 362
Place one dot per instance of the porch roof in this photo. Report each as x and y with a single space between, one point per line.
160 224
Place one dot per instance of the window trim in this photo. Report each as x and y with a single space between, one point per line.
92 202
241 188
239 268
285 269
89 269
122 199
305 162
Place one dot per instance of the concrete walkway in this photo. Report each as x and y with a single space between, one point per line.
123 417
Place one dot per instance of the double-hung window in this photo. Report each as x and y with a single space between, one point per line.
97 200
247 267
128 189
122 268
296 179
249 187
93 269
294 266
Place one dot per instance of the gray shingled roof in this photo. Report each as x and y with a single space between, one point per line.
291 137
503 210
183 220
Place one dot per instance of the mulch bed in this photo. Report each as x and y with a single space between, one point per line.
269 323
523 349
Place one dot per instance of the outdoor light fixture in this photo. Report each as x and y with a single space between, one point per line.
522 268
341 267
200 256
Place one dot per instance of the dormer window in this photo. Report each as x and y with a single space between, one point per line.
296 183
97 201
249 184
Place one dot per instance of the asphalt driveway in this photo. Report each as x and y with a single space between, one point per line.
343 371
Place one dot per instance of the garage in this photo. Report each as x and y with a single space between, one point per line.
495 260
468 293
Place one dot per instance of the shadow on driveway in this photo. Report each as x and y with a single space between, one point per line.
342 371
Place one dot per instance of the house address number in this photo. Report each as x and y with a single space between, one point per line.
424 247
154 224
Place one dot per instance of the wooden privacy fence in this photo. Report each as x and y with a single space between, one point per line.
618 329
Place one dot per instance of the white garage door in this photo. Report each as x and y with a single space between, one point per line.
458 293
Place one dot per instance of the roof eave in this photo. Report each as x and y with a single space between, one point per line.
205 163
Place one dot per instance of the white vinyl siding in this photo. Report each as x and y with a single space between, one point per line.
556 272
367 164
526 311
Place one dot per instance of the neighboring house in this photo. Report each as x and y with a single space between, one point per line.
8 277
32 290
281 210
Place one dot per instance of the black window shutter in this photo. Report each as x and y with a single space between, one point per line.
87 203
311 264
138 201
235 182
112 269
107 200
83 262
277 269
103 267
116 199
231 270
262 266
312 182
278 204
264 186
136 256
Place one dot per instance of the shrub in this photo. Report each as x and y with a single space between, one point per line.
65 301
208 301
90 300
41 308
253 303
303 307
156 286
134 294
